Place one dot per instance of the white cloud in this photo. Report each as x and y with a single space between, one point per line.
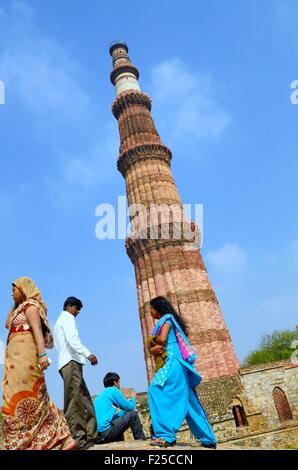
38 73
230 259
47 81
186 103
99 165
37 69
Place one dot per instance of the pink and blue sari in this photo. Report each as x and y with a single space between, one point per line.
172 393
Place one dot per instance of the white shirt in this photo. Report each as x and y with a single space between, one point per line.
68 342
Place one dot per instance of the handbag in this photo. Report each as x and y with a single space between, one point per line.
186 349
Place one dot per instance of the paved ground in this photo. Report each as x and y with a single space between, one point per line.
145 445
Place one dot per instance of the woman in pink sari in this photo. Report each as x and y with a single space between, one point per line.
30 420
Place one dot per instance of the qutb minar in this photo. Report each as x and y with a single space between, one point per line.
170 267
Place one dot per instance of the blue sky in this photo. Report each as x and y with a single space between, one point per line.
219 74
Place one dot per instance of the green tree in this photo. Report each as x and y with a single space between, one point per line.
272 347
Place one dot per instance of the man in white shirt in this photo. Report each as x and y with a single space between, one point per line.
78 407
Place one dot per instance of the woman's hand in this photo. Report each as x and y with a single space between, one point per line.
156 350
43 362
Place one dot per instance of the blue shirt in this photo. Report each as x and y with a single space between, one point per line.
105 403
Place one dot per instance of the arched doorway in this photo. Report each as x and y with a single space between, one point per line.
239 413
282 405
239 416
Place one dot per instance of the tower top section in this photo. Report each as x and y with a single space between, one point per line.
124 75
116 45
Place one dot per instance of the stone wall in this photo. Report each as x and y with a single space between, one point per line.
281 439
216 397
259 383
252 390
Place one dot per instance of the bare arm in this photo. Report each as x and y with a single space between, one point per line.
162 337
33 317
161 340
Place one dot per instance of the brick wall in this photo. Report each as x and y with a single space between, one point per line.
252 390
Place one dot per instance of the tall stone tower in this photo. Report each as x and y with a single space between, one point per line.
170 266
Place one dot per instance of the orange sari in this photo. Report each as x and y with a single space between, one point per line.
30 420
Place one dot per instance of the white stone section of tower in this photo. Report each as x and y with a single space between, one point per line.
126 81
125 74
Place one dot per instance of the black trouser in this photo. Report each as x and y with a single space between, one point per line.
120 425
78 407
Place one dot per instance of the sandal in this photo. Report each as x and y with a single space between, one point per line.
156 442
69 444
209 446
200 445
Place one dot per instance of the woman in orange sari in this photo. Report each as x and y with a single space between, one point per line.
30 420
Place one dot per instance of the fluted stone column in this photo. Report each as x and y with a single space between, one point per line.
171 266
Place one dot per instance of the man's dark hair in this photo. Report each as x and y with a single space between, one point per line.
110 378
72 302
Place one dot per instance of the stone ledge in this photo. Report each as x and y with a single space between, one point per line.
145 445
286 364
